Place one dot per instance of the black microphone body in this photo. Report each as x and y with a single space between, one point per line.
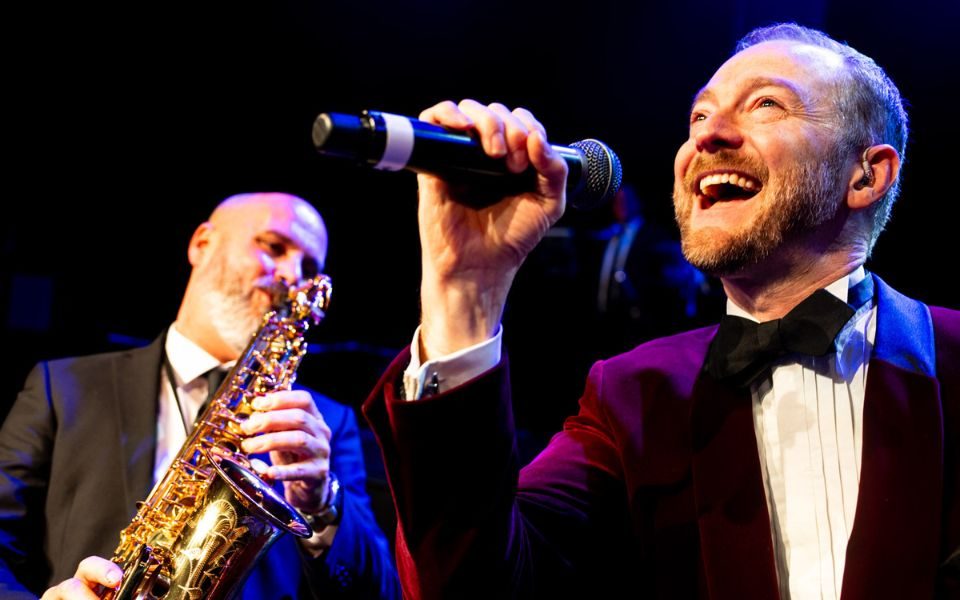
392 142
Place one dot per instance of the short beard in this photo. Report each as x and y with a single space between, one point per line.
230 304
807 197
231 316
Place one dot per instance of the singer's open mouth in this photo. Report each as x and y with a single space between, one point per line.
723 186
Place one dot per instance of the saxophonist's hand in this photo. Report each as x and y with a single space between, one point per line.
92 572
293 431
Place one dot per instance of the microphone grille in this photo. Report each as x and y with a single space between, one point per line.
603 174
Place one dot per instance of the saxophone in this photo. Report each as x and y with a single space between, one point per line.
209 519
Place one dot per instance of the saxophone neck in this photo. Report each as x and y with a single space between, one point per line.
305 301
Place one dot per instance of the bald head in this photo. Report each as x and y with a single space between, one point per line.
284 214
249 242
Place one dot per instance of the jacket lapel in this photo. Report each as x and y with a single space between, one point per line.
736 544
895 537
137 389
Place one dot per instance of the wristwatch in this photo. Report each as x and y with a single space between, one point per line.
332 511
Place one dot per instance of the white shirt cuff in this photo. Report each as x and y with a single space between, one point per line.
447 372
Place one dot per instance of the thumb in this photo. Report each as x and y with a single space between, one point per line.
552 170
96 570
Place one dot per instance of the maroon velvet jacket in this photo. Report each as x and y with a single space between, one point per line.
655 487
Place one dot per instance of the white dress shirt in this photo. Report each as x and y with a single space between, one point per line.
808 417
189 363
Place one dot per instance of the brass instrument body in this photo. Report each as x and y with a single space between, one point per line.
210 517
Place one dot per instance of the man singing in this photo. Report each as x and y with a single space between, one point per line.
805 448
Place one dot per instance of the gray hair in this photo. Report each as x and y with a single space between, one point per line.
871 108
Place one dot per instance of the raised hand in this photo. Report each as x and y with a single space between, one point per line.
469 255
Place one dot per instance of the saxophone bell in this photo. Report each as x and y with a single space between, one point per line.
238 521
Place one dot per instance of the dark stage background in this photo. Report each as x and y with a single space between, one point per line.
129 123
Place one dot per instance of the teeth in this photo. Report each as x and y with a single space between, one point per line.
731 178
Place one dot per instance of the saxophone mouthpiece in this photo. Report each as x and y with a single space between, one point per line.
311 298
279 291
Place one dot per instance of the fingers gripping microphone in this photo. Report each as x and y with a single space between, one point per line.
392 142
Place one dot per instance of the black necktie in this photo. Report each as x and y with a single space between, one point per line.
743 349
214 378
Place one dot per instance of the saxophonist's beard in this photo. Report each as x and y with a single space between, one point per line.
234 305
233 317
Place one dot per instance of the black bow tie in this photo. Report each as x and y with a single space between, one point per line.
743 349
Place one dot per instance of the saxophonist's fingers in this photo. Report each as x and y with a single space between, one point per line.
297 443
95 570
287 399
305 483
312 470
92 572
287 419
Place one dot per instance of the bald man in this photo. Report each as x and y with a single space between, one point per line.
88 437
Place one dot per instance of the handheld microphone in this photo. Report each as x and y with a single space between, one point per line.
391 142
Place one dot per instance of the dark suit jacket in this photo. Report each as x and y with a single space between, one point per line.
76 454
655 487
